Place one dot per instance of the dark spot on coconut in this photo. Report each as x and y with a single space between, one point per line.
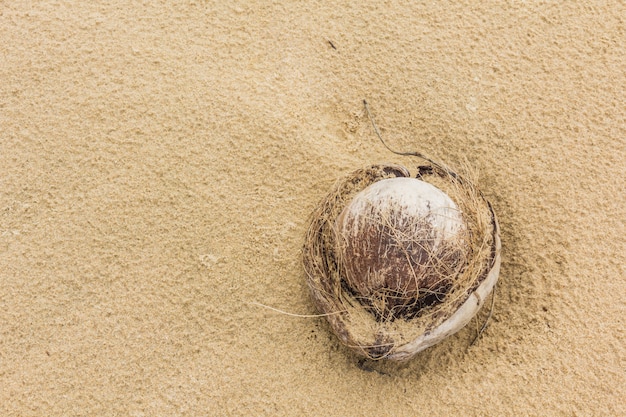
395 171
381 347
423 171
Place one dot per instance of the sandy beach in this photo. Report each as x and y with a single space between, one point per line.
159 163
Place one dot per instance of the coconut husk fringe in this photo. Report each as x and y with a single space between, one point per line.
382 325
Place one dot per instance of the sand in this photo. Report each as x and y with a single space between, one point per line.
159 163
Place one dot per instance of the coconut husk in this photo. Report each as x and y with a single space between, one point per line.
401 323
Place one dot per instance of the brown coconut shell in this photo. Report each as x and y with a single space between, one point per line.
396 315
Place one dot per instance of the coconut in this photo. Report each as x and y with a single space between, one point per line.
397 263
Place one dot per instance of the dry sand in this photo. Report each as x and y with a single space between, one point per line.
159 162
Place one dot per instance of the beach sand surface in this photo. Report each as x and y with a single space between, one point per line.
159 162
